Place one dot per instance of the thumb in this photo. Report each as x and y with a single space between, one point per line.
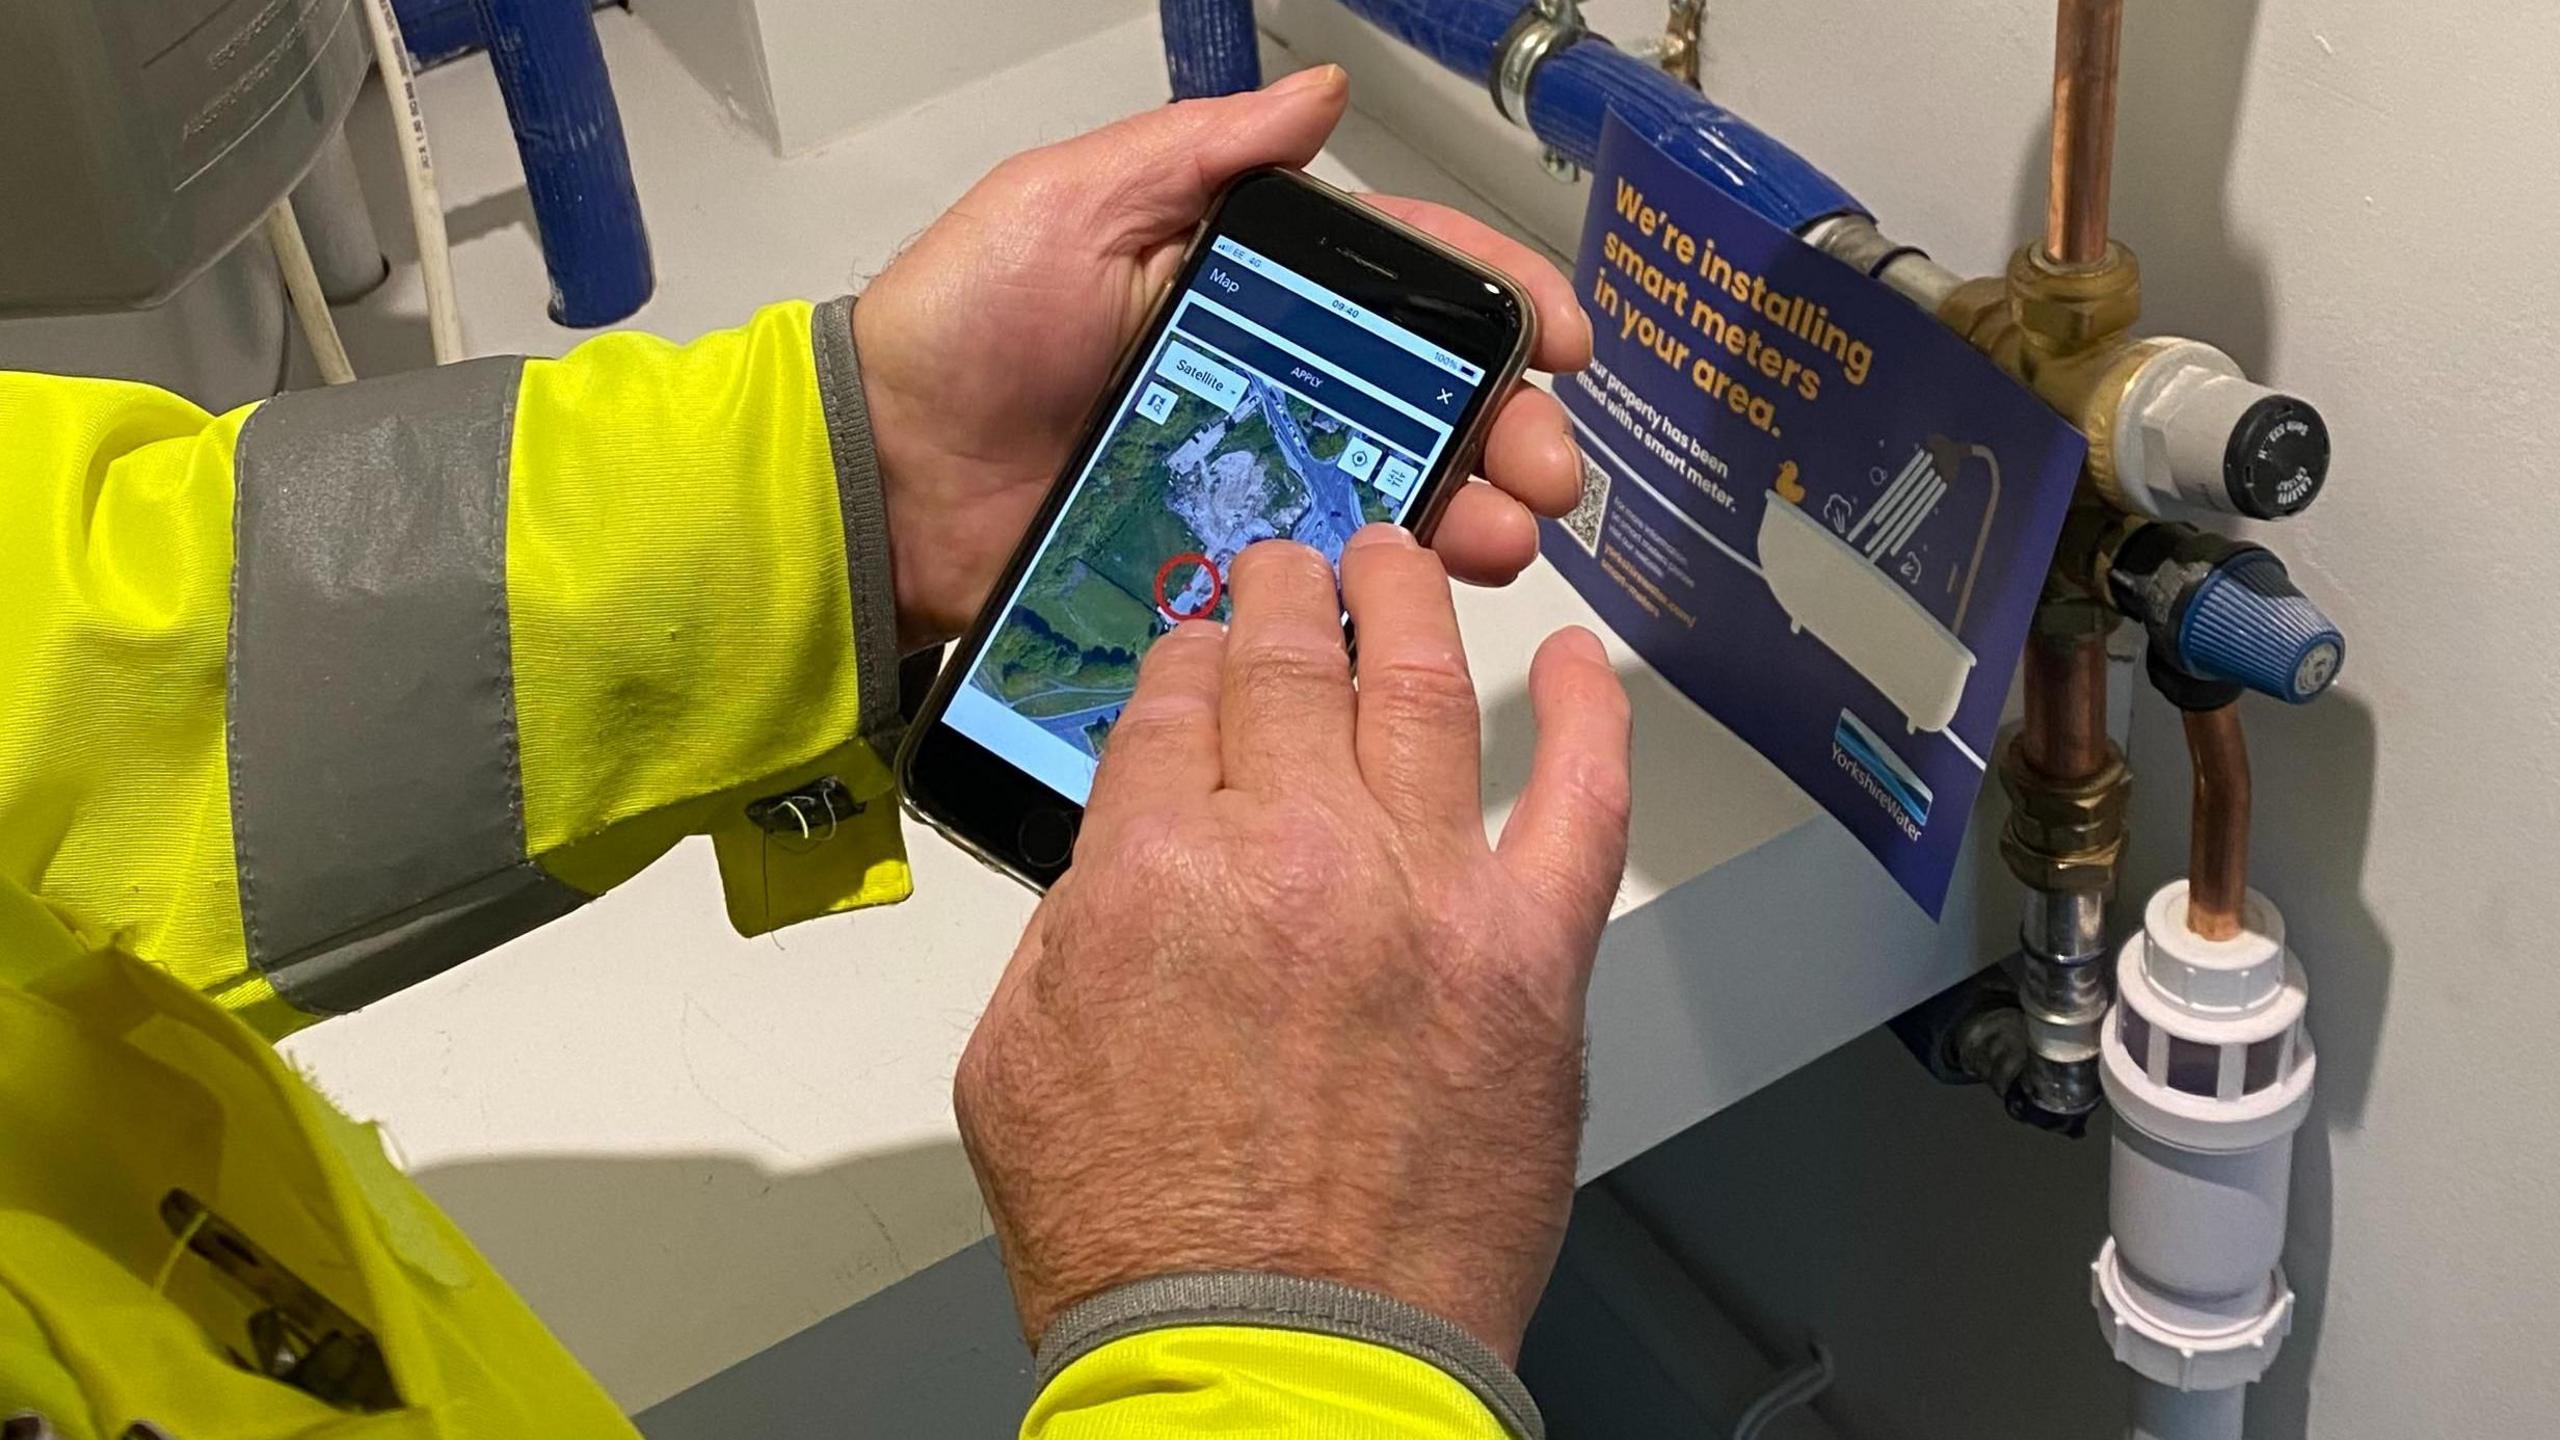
1154 173
1566 840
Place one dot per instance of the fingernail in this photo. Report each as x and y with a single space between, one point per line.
1317 77
1381 533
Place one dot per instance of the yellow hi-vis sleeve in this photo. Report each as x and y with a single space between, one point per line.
1258 1354
313 700
1241 1383
699 590
171 1188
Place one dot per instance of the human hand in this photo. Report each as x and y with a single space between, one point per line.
985 344
1288 1012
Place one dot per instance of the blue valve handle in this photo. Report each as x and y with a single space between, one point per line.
2247 622
2223 616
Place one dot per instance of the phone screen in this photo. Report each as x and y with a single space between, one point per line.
1268 406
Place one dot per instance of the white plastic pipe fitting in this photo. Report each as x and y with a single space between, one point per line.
2193 433
2209 1068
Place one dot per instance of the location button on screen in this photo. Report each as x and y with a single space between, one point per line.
1359 459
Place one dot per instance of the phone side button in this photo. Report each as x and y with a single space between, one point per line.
1047 838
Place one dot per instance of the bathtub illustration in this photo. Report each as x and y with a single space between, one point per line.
1830 587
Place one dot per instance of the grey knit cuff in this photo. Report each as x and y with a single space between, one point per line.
1285 1302
866 520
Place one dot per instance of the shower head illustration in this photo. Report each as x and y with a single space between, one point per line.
1837 577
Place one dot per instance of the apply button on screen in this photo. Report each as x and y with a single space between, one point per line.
1202 376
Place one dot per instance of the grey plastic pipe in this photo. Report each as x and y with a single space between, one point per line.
2162 1413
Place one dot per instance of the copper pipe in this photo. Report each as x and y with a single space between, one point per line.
2218 848
2087 41
2066 728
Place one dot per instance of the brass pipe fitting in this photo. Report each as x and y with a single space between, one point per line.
2064 775
2069 311
2170 422
2047 323
2064 835
2066 332
2092 529
1978 310
1683 39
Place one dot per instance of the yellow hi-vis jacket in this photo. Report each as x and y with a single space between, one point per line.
307 702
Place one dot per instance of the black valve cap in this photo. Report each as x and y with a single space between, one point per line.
2277 459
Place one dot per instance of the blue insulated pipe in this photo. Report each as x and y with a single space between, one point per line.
577 169
1210 47
1574 90
1569 97
1464 36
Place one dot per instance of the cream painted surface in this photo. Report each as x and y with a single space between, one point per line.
833 66
721 44
802 73
683 1146
2356 198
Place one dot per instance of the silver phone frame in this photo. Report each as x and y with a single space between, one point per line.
1465 450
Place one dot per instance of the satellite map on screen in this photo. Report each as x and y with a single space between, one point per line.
1209 458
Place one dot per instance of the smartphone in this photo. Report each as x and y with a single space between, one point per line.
1315 366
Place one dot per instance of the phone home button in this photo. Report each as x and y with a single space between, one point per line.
1047 838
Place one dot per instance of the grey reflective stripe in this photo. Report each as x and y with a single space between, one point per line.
376 808
866 520
1286 1302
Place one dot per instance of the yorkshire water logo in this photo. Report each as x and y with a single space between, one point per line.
1865 758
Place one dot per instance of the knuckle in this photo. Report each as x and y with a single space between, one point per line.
1190 635
1268 561
1422 561
1403 576
1175 649
1144 730
1431 688
1298 882
1303 860
1159 715
1598 787
1281 663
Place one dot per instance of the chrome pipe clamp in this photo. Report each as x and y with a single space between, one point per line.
1544 27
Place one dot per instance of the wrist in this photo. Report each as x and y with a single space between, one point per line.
925 615
1314 1329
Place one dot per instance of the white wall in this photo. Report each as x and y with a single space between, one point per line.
2357 198
804 72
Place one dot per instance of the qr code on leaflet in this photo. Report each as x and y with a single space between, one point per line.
1584 523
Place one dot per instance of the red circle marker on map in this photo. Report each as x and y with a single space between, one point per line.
1217 585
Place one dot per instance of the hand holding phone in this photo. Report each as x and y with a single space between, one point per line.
1314 367
985 344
